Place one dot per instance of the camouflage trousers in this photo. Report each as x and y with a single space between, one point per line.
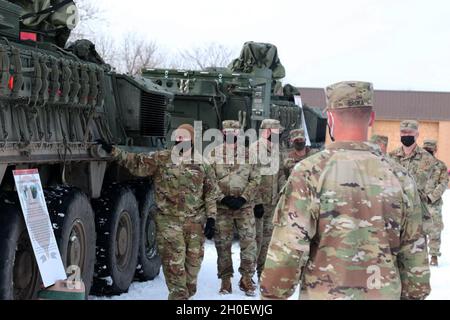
264 230
181 247
244 220
435 229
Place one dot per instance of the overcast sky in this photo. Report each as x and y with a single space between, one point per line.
396 44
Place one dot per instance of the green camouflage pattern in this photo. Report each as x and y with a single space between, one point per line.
419 165
349 94
297 134
270 185
430 145
231 124
181 247
186 190
234 179
271 124
348 226
377 138
293 158
244 221
238 180
264 230
267 194
441 185
409 125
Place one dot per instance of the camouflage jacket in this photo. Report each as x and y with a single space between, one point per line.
185 190
348 226
440 182
293 158
272 183
420 166
235 179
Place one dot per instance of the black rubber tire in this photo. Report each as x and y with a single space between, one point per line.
116 206
149 261
74 227
14 240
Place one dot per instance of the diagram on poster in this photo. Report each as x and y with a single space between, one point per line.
37 220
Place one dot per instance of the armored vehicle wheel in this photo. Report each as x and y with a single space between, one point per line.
73 222
149 262
19 273
117 222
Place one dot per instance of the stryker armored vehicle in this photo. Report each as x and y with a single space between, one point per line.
54 104
249 91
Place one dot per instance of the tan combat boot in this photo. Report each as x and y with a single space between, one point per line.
246 285
434 261
225 288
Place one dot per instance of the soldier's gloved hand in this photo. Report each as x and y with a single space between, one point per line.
210 228
258 210
108 147
227 200
237 203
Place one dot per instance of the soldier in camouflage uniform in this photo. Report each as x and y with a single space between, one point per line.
348 224
186 196
419 164
382 142
269 188
238 182
441 184
300 152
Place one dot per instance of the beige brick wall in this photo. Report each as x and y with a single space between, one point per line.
439 131
428 130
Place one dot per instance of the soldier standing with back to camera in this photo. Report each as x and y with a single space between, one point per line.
238 181
349 222
440 185
186 195
272 180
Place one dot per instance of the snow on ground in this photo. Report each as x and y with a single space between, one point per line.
209 284
440 276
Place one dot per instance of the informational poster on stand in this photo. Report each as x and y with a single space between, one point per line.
37 220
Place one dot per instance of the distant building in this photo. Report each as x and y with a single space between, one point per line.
431 109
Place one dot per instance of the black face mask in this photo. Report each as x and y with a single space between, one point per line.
430 152
299 146
408 141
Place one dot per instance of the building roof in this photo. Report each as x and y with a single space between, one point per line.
396 105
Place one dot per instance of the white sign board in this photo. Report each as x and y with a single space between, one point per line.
37 220
298 102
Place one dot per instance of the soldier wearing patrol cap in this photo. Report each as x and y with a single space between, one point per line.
381 141
337 231
238 182
300 151
186 196
440 182
270 162
419 164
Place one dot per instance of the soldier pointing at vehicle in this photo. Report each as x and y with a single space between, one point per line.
349 222
186 195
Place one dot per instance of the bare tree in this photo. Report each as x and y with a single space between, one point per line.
89 13
106 48
137 53
211 55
